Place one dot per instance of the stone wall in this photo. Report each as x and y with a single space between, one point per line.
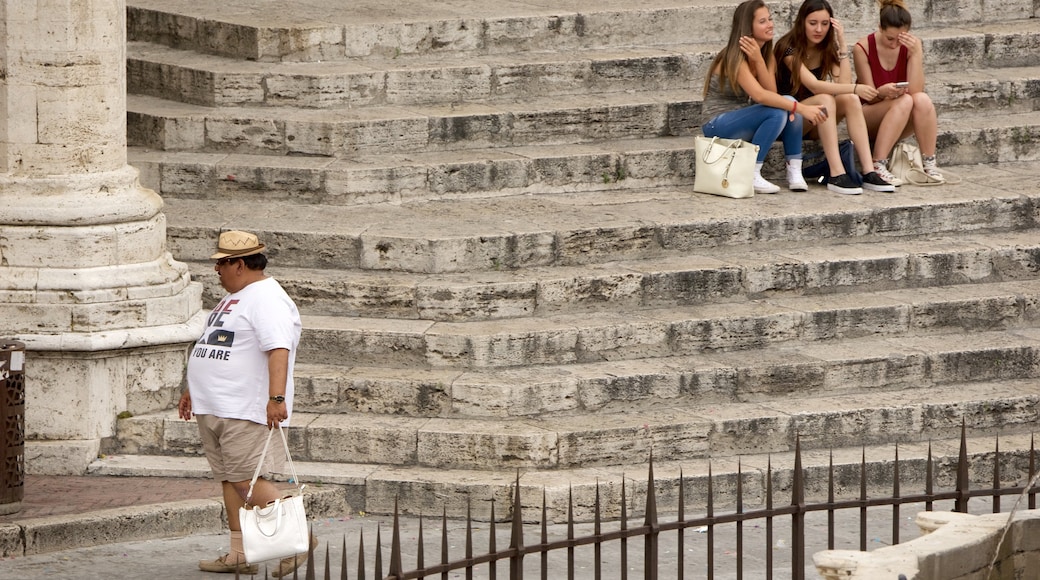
954 546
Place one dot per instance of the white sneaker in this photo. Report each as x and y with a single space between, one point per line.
932 169
881 168
795 181
763 186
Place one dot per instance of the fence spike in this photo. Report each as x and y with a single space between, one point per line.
996 476
395 546
895 495
961 504
830 500
710 548
379 553
798 517
570 532
361 557
769 518
545 538
343 574
444 540
929 481
681 548
516 535
328 563
863 501
597 548
469 537
650 551
624 526
420 552
492 546
740 523
1032 471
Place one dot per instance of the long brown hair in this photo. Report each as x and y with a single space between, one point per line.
796 43
728 60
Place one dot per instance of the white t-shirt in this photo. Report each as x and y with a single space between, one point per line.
227 368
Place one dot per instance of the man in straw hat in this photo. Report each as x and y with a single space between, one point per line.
240 384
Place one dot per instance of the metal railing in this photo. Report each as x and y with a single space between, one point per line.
652 529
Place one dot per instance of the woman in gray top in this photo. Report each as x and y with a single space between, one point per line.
741 100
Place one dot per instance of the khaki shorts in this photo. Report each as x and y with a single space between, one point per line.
233 448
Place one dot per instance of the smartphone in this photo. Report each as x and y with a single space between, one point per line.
903 85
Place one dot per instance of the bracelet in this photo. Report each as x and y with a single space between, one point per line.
794 107
854 87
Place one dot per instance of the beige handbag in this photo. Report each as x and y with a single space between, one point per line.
906 164
725 167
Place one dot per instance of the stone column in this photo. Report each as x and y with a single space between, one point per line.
85 278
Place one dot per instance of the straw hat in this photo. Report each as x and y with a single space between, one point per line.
237 244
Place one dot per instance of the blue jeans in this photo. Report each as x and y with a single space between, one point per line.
760 125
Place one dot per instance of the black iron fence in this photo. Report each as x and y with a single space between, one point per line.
644 541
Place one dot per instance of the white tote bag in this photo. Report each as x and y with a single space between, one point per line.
279 529
725 167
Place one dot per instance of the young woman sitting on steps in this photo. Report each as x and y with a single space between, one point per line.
814 50
884 58
745 69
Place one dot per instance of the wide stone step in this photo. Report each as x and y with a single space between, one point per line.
670 432
669 331
695 277
201 79
418 490
482 172
580 229
264 30
777 371
347 132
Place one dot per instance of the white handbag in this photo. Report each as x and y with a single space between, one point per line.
907 164
725 167
279 529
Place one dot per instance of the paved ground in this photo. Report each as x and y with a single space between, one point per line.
177 557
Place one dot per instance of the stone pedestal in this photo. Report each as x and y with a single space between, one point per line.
86 281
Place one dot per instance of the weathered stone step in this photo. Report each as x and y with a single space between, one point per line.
346 132
565 230
695 277
602 165
201 79
264 30
418 176
777 371
356 133
670 432
424 490
666 331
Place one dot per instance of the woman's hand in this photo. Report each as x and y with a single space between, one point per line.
839 34
814 114
911 42
866 92
891 91
752 51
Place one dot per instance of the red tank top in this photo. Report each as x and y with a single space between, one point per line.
882 76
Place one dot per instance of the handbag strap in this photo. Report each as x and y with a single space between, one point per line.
263 455
737 144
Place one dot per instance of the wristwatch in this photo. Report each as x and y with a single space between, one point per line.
278 399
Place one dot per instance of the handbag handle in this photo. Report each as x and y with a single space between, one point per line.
737 144
263 455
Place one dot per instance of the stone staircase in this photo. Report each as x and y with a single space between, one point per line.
486 216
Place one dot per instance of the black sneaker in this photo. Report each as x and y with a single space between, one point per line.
844 184
873 182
